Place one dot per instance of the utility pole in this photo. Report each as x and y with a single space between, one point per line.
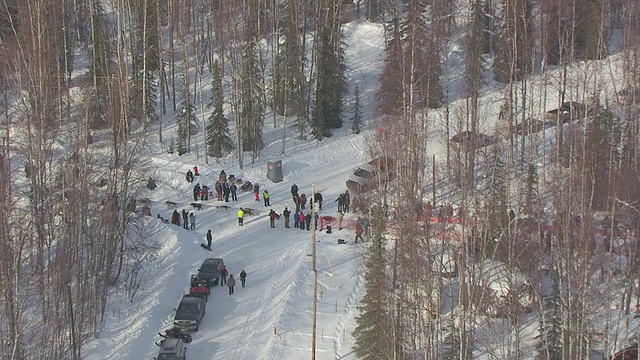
315 271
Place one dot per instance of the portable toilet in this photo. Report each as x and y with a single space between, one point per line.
274 171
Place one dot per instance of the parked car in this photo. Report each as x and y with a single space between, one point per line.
210 269
569 111
190 312
367 177
172 349
200 286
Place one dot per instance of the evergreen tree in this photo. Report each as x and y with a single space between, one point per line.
590 33
513 48
329 87
390 93
373 338
218 138
356 119
549 340
185 118
252 109
495 189
100 69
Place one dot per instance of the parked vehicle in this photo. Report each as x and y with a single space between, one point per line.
176 333
569 111
200 286
171 349
190 312
368 176
210 269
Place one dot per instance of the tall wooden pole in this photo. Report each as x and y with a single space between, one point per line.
315 271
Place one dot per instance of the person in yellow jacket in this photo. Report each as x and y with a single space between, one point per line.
240 216
266 196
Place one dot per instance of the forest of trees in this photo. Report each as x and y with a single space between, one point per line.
83 84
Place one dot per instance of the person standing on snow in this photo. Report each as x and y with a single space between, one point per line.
358 231
234 189
266 197
226 190
243 277
302 220
303 201
231 283
223 275
340 201
240 216
192 217
196 192
272 218
209 239
294 190
307 218
296 219
347 201
340 216
286 214
256 191
185 219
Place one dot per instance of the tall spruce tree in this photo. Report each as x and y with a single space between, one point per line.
356 119
549 341
252 99
329 86
185 118
218 138
513 45
373 338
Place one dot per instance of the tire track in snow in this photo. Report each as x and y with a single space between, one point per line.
351 307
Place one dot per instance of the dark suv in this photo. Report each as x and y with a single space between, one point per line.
172 349
210 269
190 312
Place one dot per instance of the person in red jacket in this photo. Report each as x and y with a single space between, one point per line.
272 218
223 275
302 221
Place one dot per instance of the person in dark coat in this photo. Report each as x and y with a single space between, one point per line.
231 283
185 219
303 201
243 277
302 220
286 214
294 190
223 177
209 239
234 189
318 199
296 219
205 193
340 201
189 176
226 190
307 219
196 192
223 275
347 201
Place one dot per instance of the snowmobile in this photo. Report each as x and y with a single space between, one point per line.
176 333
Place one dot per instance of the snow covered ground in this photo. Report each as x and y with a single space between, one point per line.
271 318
